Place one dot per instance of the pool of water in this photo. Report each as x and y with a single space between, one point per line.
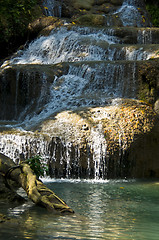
106 210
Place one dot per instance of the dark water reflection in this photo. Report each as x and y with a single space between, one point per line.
108 210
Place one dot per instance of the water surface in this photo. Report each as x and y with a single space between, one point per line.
103 210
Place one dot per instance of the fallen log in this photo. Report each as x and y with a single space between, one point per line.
36 191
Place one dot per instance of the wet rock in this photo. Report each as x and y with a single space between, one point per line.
26 85
43 26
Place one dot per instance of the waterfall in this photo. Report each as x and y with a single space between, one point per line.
130 14
66 78
52 7
79 44
26 146
89 84
145 36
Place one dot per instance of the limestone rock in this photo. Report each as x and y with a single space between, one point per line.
109 142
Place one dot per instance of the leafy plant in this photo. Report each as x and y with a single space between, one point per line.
152 7
14 19
38 166
154 12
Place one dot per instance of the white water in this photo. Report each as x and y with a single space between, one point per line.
66 46
84 85
145 36
99 146
23 146
78 44
130 13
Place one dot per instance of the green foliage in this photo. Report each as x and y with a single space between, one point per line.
154 12
152 7
15 15
152 2
38 166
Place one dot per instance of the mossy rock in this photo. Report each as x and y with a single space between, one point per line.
87 4
106 8
117 2
43 26
91 20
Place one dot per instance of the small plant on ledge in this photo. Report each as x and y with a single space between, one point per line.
38 166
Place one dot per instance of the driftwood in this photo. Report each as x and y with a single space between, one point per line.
23 175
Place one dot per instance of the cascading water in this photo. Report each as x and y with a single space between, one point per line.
80 44
72 68
130 14
52 7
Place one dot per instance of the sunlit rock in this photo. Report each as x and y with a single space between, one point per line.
90 142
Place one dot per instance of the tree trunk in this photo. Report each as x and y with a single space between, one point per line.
35 189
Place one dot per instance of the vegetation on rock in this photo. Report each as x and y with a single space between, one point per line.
37 165
14 19
153 9
148 81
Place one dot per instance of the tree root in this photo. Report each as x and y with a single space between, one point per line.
35 189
